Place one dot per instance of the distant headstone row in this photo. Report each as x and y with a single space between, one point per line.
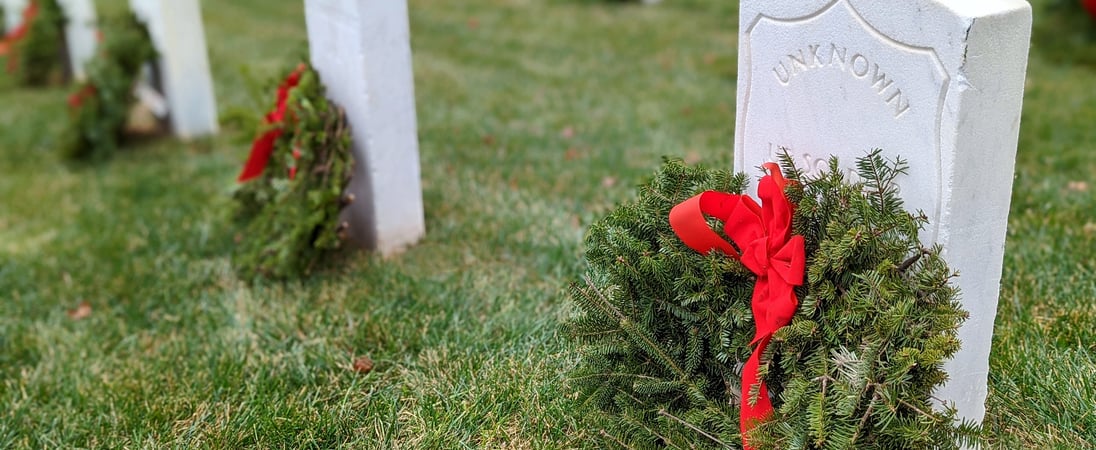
362 50
937 82
80 32
184 73
176 30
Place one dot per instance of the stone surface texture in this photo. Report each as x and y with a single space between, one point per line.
362 50
937 82
179 37
81 34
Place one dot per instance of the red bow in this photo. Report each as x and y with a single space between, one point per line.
7 45
77 99
769 250
263 146
1090 5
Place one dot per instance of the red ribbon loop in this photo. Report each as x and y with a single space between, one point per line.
687 220
263 146
768 249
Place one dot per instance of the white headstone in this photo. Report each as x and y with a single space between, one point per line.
81 34
938 82
177 33
362 50
13 12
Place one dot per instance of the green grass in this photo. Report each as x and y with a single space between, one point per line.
178 352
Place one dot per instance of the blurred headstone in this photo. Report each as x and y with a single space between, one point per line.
362 50
81 34
183 67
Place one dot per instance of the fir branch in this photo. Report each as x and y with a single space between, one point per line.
787 164
923 413
608 307
661 437
613 438
905 265
690 426
652 348
867 414
616 374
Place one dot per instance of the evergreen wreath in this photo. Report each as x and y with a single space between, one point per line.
291 195
662 329
99 108
1077 6
36 49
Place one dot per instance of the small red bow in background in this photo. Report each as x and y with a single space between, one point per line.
263 146
77 99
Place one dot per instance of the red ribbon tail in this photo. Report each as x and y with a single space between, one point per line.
261 150
763 408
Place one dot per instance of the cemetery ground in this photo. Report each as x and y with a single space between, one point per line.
122 323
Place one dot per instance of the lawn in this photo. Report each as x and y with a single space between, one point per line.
535 119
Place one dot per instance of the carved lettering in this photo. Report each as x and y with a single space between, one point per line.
784 77
856 71
810 165
816 61
804 60
899 108
800 63
844 52
879 80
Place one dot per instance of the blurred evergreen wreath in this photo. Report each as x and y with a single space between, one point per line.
292 191
662 329
36 48
1064 31
99 108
